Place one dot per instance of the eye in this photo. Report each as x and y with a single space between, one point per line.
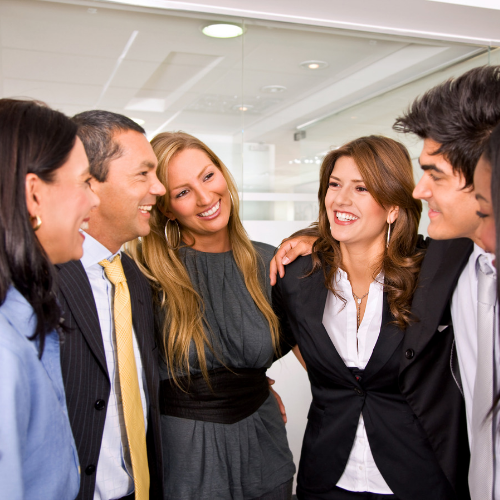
333 184
208 176
87 181
433 177
181 194
481 215
361 189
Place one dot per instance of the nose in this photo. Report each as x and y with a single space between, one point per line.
203 196
94 200
157 188
343 197
422 190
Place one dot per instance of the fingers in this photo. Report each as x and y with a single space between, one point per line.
281 406
273 270
288 252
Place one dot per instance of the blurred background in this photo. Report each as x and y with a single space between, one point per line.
292 81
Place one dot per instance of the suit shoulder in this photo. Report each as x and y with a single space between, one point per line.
298 269
264 250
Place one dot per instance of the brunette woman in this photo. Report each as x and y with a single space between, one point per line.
223 434
44 198
345 310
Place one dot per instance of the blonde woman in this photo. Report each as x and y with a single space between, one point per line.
223 434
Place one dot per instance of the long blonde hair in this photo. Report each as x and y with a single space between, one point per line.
183 306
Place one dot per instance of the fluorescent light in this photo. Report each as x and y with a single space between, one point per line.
139 121
485 4
146 104
222 30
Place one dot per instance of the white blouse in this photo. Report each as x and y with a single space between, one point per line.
355 348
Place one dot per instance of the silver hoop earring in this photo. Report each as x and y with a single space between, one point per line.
173 247
388 235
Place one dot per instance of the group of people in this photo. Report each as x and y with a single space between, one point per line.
137 319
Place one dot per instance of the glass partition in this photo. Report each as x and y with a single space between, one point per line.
271 102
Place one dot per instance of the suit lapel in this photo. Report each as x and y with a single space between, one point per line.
389 339
313 296
76 289
443 263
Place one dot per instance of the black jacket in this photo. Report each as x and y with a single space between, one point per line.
419 447
85 374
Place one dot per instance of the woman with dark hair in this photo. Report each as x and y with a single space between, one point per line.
223 433
45 198
344 311
487 190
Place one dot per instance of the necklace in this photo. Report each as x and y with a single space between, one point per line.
358 304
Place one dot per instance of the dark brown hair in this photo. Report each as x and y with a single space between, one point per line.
386 169
97 129
459 115
33 139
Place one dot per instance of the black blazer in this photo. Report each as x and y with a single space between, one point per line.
399 440
429 372
85 372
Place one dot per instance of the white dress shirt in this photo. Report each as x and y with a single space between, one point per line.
464 316
114 472
355 348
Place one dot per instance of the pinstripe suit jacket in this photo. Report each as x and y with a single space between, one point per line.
85 373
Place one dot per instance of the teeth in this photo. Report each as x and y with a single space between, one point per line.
145 208
211 211
84 225
344 217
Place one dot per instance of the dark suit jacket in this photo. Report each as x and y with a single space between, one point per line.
424 381
85 373
429 372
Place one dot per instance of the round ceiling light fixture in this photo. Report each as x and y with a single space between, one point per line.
314 64
273 89
242 107
222 30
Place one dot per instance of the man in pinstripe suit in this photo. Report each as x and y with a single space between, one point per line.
124 167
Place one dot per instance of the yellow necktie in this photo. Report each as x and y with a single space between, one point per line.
127 370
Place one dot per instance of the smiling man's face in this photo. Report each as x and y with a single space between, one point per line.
452 209
128 193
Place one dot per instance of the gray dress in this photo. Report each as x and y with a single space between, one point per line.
211 461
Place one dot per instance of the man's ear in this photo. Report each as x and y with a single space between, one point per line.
392 215
33 186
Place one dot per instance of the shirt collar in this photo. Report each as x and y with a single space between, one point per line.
342 276
19 313
94 252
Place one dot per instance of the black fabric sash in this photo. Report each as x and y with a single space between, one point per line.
236 393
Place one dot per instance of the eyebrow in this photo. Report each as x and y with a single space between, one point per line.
201 174
481 197
147 164
353 180
431 167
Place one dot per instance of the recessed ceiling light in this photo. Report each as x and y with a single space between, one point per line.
273 89
139 121
242 107
314 64
222 30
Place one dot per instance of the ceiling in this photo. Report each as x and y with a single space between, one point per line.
157 66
